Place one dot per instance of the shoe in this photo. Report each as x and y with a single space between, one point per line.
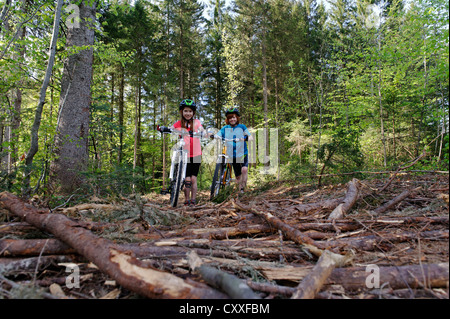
187 203
242 191
193 202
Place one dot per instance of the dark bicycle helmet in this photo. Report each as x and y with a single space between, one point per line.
188 103
233 110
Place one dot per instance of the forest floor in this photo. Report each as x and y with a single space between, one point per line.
398 250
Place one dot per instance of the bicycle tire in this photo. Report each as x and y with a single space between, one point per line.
176 184
226 177
217 177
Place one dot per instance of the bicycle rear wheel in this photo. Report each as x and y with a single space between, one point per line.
176 184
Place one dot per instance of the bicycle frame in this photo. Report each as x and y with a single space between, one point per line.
177 175
178 155
222 174
228 168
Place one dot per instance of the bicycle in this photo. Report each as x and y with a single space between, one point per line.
178 164
223 170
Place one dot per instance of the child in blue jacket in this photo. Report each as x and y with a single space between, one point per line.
240 134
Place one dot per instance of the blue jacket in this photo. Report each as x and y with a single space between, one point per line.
239 131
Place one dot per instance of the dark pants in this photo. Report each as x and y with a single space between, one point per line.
193 166
237 165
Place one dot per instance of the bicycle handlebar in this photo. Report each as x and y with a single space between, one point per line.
168 130
228 139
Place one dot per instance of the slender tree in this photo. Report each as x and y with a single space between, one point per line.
34 146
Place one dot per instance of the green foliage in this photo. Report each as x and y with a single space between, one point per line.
343 151
118 182
344 93
225 194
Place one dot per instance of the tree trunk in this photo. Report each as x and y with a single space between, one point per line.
4 12
137 127
121 113
383 139
265 93
34 145
181 48
16 112
111 118
137 162
71 144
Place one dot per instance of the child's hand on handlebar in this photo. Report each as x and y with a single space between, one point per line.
163 129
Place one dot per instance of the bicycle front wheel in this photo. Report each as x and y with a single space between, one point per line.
176 184
217 178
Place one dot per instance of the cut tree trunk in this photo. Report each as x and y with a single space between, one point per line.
384 241
289 231
311 285
12 266
128 271
293 234
410 276
354 278
391 203
33 247
349 201
232 285
312 207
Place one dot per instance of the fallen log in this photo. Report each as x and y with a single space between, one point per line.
229 248
33 247
395 277
285 291
89 206
293 234
228 232
385 241
345 225
349 200
232 285
30 265
17 229
391 203
271 288
167 248
289 231
312 207
354 279
311 285
127 270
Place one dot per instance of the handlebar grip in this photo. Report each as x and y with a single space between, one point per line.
164 129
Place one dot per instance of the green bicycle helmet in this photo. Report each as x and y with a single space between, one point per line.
233 110
188 103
